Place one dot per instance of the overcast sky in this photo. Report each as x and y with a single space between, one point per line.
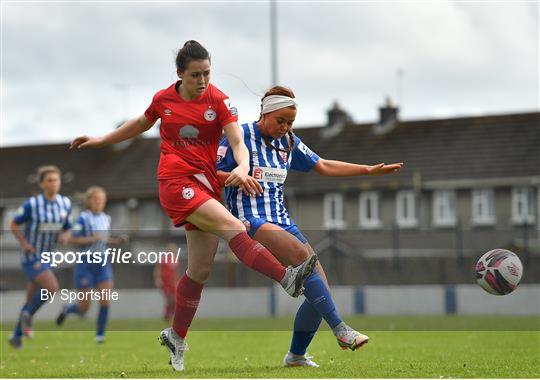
70 69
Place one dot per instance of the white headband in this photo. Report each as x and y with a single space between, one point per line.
275 102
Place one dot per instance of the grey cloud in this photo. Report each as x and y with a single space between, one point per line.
65 61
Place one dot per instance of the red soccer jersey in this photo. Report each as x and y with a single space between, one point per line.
190 131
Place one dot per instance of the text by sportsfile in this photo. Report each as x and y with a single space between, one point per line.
69 296
110 255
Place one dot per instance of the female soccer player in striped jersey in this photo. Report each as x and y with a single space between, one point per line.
274 150
46 217
193 116
92 233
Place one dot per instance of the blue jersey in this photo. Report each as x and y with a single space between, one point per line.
44 220
269 166
90 224
89 275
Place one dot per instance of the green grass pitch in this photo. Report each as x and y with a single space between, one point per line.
435 347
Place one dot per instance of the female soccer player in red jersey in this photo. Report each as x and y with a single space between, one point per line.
193 116
260 204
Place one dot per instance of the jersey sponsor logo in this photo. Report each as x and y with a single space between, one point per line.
210 115
275 175
103 235
188 132
221 152
188 193
304 149
50 226
167 112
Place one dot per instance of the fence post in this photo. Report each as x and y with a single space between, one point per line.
395 244
526 253
459 242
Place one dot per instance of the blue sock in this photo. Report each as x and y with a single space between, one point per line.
17 331
319 296
73 309
306 324
35 302
102 319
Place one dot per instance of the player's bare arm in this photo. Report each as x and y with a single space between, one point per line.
26 246
64 237
84 240
239 175
131 128
250 187
333 168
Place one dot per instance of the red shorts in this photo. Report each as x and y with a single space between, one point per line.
180 197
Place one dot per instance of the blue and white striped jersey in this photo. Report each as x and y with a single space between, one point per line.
270 167
44 220
90 224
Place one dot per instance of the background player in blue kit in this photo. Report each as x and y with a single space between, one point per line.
46 218
274 149
92 233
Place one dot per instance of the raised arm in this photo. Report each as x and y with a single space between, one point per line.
131 128
241 155
332 168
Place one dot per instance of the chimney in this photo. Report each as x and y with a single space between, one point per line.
388 117
337 119
388 112
336 114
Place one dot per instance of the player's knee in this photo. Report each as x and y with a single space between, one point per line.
233 224
83 307
299 254
53 288
200 274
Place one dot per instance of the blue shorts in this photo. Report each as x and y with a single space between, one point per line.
253 224
88 275
33 267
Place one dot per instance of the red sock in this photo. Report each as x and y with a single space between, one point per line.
255 256
188 295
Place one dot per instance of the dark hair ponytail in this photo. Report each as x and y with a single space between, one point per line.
191 51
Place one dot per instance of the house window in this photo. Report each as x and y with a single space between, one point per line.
444 208
523 209
369 210
406 209
119 216
333 211
7 217
483 207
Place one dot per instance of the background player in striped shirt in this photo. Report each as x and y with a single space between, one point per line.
92 234
274 150
46 219
194 114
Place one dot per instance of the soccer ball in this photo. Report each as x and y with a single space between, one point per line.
499 272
